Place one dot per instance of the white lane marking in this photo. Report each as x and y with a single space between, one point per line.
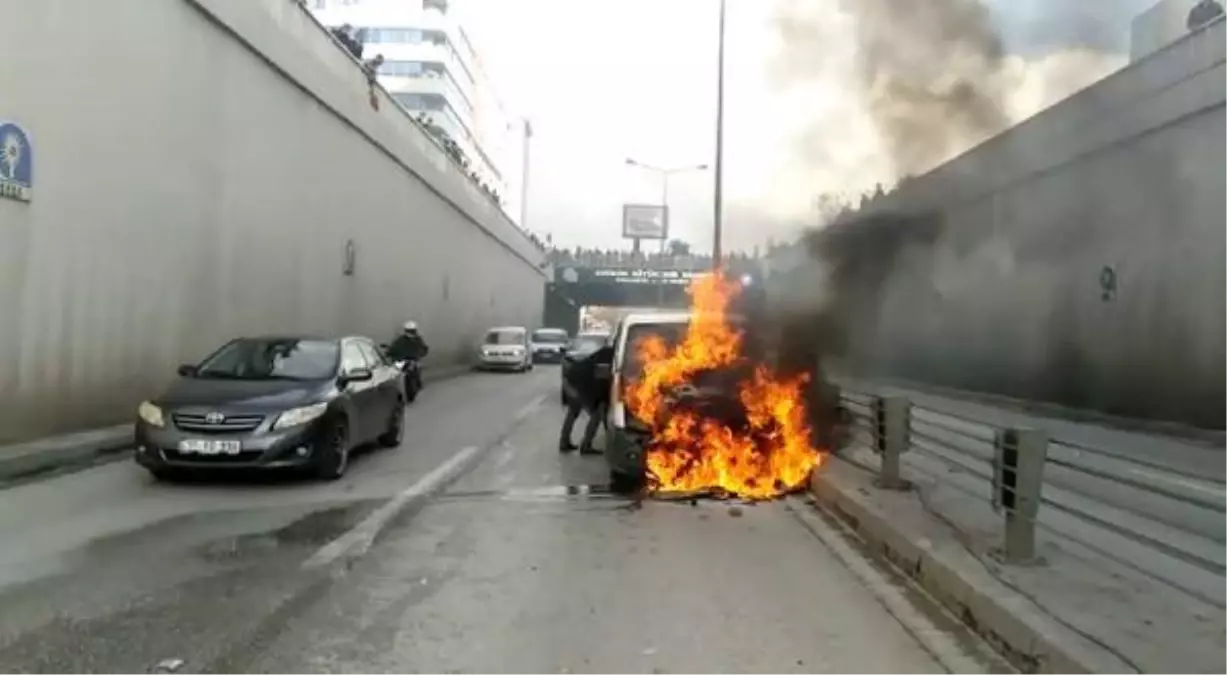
504 476
1189 483
357 540
508 453
941 645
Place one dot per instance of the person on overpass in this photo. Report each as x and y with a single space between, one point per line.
1204 13
587 390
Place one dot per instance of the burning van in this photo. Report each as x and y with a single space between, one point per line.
627 437
693 411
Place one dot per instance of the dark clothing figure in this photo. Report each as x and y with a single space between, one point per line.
588 390
372 68
595 419
1204 13
408 347
346 36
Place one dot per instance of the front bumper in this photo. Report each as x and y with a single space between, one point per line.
624 451
157 447
547 355
500 362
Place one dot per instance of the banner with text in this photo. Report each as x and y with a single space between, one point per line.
598 275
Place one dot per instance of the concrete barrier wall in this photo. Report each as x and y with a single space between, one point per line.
200 166
1128 175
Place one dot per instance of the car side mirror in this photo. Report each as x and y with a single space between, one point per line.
188 370
357 375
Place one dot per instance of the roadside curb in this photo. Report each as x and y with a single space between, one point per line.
929 553
31 458
1174 430
21 460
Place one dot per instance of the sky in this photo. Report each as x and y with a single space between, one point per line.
607 80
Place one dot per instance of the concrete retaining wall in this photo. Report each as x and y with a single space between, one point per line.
1126 175
200 166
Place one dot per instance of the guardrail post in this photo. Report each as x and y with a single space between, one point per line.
1018 477
892 436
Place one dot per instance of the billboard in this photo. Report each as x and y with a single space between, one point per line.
645 221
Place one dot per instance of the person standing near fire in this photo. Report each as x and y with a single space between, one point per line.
587 382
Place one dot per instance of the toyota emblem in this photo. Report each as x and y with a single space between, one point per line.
215 418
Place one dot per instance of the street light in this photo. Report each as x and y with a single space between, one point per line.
664 172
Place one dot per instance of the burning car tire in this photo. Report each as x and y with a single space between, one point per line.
623 483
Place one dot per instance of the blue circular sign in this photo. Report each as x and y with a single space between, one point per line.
16 162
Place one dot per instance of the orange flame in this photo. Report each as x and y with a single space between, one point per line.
767 457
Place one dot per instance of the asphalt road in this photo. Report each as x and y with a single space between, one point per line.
518 562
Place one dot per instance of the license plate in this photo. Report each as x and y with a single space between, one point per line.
210 447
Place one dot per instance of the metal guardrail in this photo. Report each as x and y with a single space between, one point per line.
1138 513
1015 470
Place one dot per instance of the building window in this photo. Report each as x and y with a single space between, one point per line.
431 102
401 68
393 35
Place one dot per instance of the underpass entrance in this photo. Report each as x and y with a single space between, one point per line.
575 288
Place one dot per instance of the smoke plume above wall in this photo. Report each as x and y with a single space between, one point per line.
896 88
931 79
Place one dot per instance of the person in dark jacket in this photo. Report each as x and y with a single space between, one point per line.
409 346
588 391
1204 13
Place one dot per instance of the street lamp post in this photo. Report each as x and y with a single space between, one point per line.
664 199
718 198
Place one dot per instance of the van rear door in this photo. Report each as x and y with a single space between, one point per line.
626 364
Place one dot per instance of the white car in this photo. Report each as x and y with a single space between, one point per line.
505 348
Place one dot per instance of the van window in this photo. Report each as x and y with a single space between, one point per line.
505 337
671 333
550 336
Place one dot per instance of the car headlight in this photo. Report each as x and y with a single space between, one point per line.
151 414
297 416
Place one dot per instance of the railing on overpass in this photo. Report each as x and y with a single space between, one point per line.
1152 518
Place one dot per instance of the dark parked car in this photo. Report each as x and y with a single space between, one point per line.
581 346
274 403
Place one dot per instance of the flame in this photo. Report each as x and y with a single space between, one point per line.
770 455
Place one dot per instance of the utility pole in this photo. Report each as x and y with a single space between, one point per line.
528 136
717 220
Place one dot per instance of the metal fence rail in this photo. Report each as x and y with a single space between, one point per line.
1141 514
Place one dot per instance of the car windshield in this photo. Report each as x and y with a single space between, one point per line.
505 337
280 359
550 337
